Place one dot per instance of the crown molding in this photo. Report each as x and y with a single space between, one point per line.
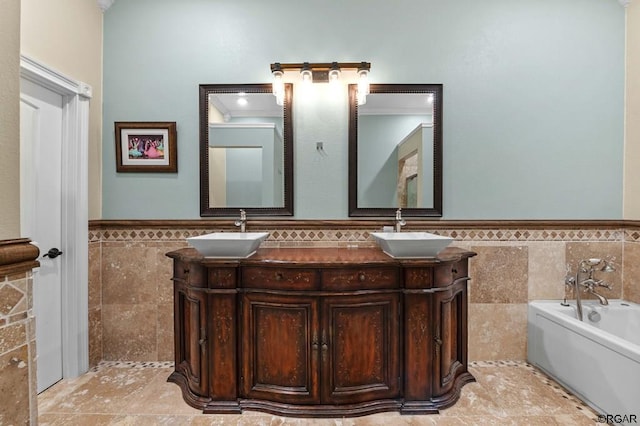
105 4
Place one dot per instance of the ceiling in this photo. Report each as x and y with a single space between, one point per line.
245 105
397 104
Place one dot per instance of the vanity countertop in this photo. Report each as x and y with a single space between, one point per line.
324 256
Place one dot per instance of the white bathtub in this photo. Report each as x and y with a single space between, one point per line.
598 361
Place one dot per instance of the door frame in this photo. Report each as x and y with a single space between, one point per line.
75 262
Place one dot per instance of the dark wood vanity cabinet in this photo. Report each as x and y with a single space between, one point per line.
320 349
190 311
321 332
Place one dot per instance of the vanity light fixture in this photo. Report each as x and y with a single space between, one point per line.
305 73
363 84
278 83
334 72
324 72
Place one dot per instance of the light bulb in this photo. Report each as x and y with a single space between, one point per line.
277 86
334 73
361 97
363 81
280 98
306 76
305 73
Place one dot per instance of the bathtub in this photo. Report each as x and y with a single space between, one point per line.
599 361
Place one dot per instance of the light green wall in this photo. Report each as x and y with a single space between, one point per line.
533 95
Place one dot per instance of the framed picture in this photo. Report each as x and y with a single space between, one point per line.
146 147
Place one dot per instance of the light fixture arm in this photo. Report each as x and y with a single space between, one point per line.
321 66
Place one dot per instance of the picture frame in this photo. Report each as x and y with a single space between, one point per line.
146 147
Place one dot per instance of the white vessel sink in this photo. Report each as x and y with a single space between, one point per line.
228 245
411 245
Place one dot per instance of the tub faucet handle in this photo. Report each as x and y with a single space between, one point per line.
608 266
569 280
604 284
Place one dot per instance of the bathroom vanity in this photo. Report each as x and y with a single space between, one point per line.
320 332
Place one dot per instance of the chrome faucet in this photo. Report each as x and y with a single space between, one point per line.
400 222
588 285
242 222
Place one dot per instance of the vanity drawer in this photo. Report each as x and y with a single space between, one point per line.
448 274
279 278
418 277
191 274
222 278
360 278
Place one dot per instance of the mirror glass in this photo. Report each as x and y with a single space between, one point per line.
246 150
395 150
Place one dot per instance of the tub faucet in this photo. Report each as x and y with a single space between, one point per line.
587 284
242 222
590 285
570 281
400 222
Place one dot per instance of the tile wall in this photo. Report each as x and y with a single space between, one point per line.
631 267
131 312
17 350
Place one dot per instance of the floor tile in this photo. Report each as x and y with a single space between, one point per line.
130 393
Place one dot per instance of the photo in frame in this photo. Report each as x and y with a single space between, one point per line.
146 147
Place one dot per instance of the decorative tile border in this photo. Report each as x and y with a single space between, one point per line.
299 233
632 235
132 364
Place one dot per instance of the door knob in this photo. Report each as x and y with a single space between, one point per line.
53 253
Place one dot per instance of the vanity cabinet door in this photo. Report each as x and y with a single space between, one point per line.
450 337
280 346
360 346
190 337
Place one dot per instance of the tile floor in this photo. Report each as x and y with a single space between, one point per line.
506 393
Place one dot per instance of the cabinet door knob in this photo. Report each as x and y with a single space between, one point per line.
361 277
279 276
315 346
325 347
438 341
454 270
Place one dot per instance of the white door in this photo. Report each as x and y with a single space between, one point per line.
40 207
